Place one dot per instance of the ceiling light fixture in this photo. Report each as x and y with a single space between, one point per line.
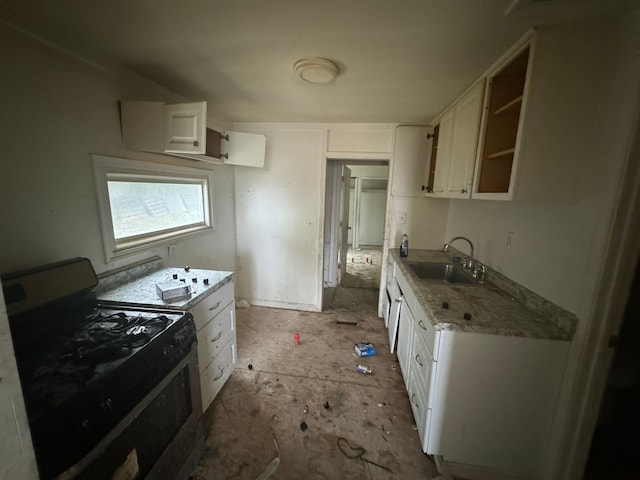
316 70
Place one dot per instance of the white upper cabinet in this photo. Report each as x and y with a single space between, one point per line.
497 164
410 156
443 154
466 126
185 127
457 142
181 129
476 142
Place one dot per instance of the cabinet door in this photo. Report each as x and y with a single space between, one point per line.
245 149
410 158
464 143
443 156
394 316
185 127
500 139
405 335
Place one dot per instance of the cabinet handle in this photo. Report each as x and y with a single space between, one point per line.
398 300
418 360
421 325
217 337
196 143
464 190
219 375
413 400
215 306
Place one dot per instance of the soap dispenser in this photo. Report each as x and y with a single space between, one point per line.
404 245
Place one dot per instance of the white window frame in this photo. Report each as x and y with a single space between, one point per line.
114 168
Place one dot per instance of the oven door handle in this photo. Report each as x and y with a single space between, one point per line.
215 306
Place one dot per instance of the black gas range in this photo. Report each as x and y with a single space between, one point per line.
94 376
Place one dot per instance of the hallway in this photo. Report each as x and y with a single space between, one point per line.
364 266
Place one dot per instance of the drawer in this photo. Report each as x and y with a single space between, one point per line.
215 334
212 305
422 416
217 373
426 330
421 367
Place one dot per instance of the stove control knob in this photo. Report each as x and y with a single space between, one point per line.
206 281
85 424
106 405
187 268
168 351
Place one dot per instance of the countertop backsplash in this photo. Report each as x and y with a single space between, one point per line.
114 278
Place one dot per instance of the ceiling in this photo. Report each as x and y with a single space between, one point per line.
400 61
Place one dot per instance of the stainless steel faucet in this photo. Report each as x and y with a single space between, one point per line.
469 262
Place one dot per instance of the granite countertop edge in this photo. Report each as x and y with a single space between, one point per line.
140 290
511 316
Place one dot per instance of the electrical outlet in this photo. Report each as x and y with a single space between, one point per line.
509 240
402 217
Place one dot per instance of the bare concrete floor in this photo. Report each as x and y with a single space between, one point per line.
302 403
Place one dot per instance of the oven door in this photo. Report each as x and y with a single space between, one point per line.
161 438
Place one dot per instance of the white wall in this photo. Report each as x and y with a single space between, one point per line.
371 217
373 206
279 212
56 111
426 221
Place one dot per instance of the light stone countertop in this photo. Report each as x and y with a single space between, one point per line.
493 310
142 291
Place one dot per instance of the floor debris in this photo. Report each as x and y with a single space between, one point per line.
350 451
273 466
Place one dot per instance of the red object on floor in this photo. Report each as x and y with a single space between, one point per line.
296 339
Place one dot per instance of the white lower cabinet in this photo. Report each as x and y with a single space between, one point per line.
483 404
215 319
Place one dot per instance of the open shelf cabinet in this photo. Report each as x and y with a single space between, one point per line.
505 95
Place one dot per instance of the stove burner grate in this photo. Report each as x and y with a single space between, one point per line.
111 336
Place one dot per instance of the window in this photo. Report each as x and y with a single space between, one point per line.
146 204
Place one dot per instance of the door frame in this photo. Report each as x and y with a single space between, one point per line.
357 195
619 266
331 211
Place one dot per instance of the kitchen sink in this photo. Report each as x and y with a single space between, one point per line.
444 272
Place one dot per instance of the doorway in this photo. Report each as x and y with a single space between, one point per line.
355 213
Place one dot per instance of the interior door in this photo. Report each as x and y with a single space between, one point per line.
343 243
